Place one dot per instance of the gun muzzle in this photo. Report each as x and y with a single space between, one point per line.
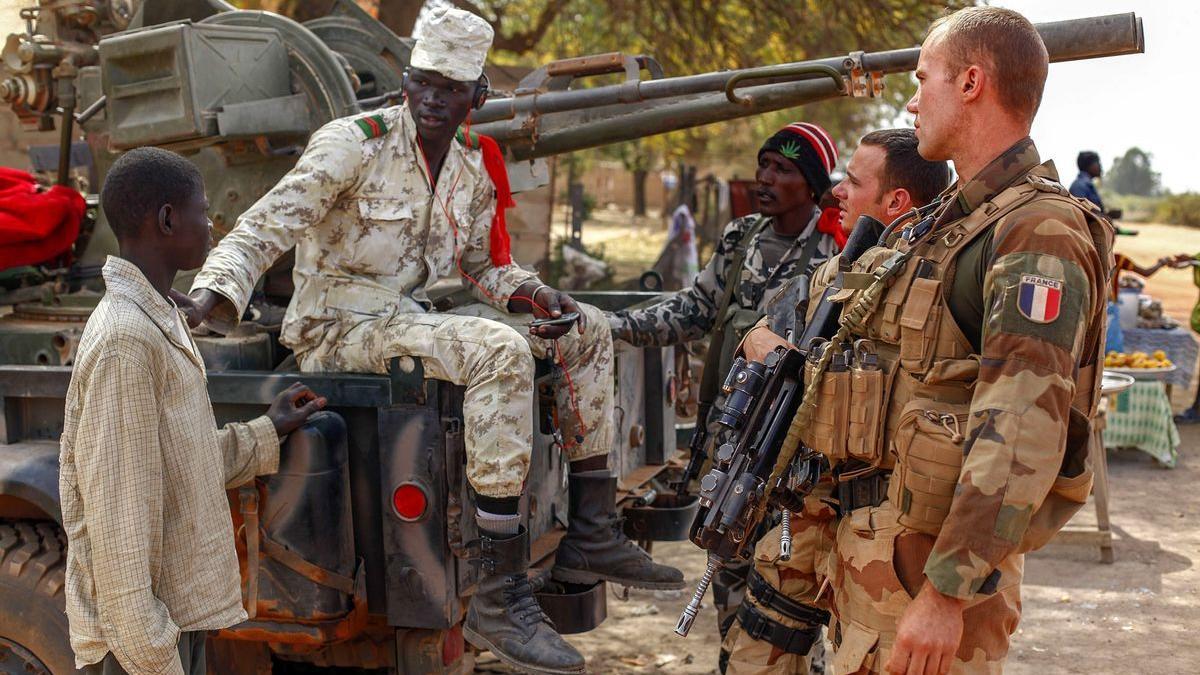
785 536
688 617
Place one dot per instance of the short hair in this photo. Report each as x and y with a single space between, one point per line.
1086 159
1004 43
140 182
904 167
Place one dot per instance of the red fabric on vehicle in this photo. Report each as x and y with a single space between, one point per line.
36 225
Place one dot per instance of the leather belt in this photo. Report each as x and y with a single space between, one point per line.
771 597
759 626
862 491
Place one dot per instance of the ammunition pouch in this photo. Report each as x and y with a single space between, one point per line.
827 433
920 323
869 395
929 456
770 597
870 489
759 626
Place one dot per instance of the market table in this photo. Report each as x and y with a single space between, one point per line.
1100 536
1179 343
1141 417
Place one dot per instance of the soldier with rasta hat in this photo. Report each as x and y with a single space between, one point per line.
759 261
756 256
394 216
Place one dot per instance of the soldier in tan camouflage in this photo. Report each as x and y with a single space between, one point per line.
984 320
885 178
391 215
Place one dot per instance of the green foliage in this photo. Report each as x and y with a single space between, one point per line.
1180 209
1132 174
1134 208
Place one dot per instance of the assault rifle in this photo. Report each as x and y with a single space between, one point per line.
761 401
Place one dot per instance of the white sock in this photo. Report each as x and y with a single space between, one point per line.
498 524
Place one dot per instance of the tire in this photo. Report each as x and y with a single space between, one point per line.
33 622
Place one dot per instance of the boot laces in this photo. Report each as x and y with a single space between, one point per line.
518 595
617 523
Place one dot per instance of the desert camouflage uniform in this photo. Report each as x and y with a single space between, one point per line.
796 578
372 247
691 313
1027 402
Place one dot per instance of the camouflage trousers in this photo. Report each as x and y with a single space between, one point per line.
491 353
876 567
797 578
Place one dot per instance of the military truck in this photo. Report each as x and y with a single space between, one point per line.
356 554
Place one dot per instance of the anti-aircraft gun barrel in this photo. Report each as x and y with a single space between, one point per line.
544 117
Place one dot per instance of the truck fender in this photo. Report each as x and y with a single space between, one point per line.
29 481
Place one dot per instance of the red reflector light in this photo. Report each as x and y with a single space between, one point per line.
409 501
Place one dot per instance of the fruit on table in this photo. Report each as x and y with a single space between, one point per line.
1158 359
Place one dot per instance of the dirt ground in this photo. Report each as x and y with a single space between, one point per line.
1080 616
1140 613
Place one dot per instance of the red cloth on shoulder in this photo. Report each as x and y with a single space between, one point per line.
36 225
493 162
831 223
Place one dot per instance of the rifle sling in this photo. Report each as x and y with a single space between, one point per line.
710 380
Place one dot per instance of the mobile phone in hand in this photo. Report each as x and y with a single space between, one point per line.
564 320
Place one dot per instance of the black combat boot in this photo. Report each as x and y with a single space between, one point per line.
596 548
505 618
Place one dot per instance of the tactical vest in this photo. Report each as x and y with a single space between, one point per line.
899 399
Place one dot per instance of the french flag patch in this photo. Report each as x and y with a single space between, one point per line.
1040 298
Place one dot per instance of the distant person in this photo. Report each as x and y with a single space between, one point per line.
1084 185
1126 264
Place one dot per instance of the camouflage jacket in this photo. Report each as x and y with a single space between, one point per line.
370 237
691 313
1033 340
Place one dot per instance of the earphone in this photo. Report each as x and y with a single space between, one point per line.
478 98
481 91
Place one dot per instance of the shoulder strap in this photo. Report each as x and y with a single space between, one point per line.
979 221
810 249
710 378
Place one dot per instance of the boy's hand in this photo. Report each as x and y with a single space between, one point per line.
292 407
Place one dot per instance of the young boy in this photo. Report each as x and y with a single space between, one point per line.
151 564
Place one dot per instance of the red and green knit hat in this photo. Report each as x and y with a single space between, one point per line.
810 148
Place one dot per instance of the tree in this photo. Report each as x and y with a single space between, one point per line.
300 10
400 15
1131 174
